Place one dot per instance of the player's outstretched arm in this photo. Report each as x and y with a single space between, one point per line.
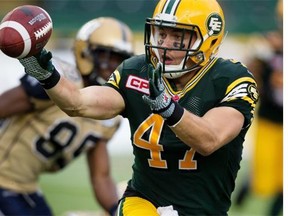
97 102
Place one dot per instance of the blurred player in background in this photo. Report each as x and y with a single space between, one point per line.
37 137
266 178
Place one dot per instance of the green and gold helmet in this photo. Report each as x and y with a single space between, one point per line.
202 21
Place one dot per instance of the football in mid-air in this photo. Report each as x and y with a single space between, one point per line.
25 31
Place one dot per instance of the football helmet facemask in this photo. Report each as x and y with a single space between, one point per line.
106 36
199 27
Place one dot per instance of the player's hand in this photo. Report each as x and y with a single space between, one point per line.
158 100
39 66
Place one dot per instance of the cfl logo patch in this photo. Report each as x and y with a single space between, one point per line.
138 84
214 24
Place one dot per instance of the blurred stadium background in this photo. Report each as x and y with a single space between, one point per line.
69 191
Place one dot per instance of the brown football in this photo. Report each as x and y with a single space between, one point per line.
25 31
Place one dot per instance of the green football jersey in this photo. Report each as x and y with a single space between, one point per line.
168 172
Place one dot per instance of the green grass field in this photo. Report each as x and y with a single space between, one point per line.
69 190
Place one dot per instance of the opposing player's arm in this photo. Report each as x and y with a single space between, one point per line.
14 101
103 185
99 102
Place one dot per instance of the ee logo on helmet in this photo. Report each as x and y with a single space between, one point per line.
214 24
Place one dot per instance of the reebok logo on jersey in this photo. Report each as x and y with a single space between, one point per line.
138 84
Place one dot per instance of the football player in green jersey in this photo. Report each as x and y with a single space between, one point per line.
37 137
188 111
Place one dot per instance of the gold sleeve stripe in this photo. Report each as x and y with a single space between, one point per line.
236 82
115 79
244 88
249 100
246 98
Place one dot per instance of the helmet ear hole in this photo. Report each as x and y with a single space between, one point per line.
82 54
213 42
85 53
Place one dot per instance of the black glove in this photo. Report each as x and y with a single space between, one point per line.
40 66
158 100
